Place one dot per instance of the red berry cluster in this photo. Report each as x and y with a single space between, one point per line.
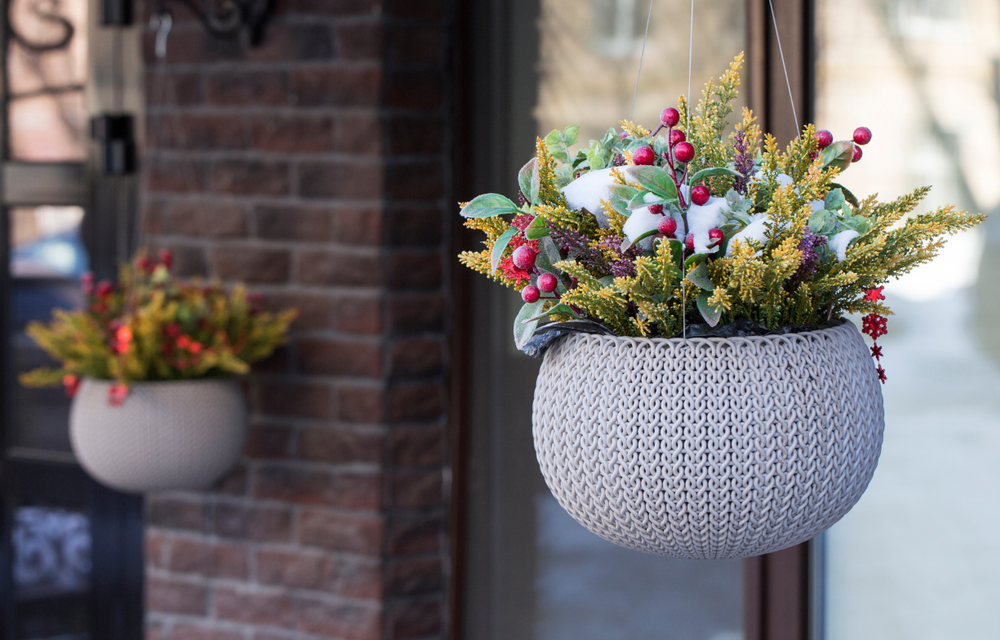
520 265
679 151
874 326
862 136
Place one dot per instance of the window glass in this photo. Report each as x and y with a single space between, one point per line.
46 69
47 259
916 557
532 571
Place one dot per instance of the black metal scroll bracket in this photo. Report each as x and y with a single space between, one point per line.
226 19
229 19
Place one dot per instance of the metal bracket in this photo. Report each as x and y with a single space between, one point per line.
226 19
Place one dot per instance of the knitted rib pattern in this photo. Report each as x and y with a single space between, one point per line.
708 447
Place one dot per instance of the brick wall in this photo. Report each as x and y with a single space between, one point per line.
316 168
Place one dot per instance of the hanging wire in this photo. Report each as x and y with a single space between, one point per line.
687 125
788 84
642 54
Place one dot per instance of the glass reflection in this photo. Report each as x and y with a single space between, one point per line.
590 54
51 552
47 259
46 68
916 558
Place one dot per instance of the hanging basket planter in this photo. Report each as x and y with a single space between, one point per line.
708 448
150 362
174 435
707 445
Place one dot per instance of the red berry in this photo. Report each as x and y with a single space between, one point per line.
700 194
689 242
524 258
166 258
857 154
824 138
117 394
143 263
71 383
643 155
677 136
622 135
667 226
862 135
684 152
104 289
669 117
714 237
87 283
530 294
547 282
656 208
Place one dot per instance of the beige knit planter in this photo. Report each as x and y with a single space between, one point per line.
709 447
165 436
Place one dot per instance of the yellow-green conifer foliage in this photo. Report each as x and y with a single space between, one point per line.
152 327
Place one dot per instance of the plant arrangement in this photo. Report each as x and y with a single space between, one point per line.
685 230
151 327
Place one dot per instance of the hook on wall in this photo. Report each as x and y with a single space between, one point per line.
227 19
243 19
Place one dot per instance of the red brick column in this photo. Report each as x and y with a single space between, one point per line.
315 168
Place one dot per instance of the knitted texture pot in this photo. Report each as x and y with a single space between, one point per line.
165 436
709 447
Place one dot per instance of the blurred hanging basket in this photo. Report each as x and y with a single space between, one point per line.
151 363
708 447
169 435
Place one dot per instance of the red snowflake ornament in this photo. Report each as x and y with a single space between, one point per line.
874 295
873 325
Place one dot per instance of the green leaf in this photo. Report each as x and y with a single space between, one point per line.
489 205
819 221
708 312
676 250
834 200
553 139
536 229
597 155
655 180
626 244
524 326
694 260
563 309
607 281
713 171
569 135
525 179
699 276
623 191
500 246
838 155
548 256
853 199
859 224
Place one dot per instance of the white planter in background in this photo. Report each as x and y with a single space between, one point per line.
709 447
166 435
